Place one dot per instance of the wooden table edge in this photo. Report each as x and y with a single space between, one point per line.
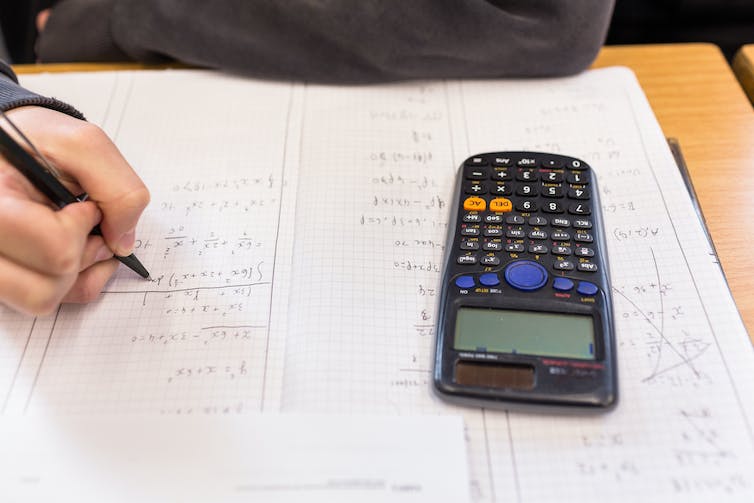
743 67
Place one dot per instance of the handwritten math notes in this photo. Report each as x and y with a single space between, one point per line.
296 238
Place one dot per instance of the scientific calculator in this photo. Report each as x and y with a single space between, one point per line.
525 317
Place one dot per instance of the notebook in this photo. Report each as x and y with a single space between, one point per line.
295 240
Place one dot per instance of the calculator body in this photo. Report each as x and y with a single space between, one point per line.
525 317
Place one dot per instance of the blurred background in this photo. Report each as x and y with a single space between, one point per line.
727 23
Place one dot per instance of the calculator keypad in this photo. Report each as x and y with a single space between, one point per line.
530 208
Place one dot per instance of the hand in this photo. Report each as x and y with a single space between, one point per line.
42 18
46 254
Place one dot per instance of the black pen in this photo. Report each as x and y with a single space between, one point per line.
44 179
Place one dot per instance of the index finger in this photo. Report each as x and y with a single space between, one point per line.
85 152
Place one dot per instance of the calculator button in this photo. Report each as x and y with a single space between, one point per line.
493 246
466 259
587 288
552 191
576 164
502 161
539 249
561 250
475 187
587 267
579 209
475 174
527 175
583 237
474 204
489 279
583 251
476 161
515 233
472 217
553 207
514 248
493 232
552 177
502 175
552 163
581 223
501 204
560 236
465 282
470 231
537 221
526 275
579 194
537 234
501 189
526 190
525 206
527 162
514 220
578 178
490 260
467 244
493 219
560 222
563 265
562 284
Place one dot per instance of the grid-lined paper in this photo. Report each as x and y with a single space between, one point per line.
198 338
683 427
347 323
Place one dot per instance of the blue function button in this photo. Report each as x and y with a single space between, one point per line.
587 288
489 279
465 282
526 275
562 284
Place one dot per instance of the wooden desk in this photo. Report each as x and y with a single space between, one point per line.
698 101
743 67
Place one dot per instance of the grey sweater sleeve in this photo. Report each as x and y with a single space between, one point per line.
13 95
336 40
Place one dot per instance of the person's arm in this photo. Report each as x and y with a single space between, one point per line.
337 40
47 255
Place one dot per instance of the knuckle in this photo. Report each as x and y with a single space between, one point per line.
136 199
86 133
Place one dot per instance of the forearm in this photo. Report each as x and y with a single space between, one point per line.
343 41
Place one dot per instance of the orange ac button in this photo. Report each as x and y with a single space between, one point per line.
501 204
474 204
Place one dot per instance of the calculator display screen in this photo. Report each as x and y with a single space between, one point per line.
525 332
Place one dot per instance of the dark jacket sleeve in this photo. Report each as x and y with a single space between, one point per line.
13 95
336 40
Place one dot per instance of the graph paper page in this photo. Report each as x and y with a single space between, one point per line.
205 335
371 244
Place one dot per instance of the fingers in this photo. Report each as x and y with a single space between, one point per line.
42 18
90 282
47 241
31 292
95 251
83 151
